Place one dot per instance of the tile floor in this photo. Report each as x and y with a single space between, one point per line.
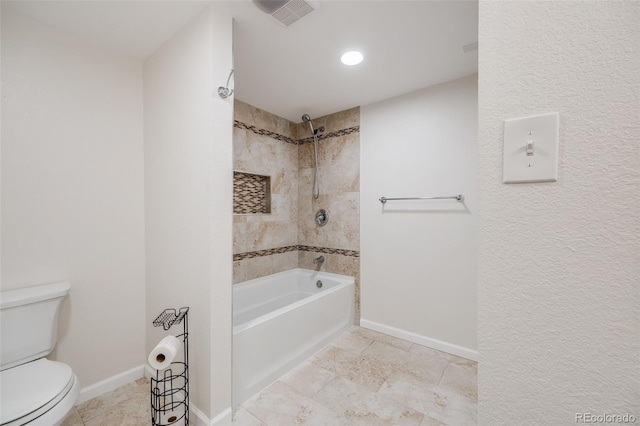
361 378
125 406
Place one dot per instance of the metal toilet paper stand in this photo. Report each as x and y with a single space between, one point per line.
170 387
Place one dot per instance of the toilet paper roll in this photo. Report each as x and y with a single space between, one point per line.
172 418
165 352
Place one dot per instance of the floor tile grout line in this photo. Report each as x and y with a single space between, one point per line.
326 384
252 413
377 390
400 402
318 402
342 414
405 350
442 375
366 347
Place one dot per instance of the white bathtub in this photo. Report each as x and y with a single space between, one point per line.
280 320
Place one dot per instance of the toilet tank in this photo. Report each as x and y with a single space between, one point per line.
29 322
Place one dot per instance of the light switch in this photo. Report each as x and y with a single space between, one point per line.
531 149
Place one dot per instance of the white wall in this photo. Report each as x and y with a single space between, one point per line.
559 290
188 199
418 258
72 190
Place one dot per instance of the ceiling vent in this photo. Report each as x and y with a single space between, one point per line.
286 12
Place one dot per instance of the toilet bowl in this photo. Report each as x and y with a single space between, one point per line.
34 390
38 393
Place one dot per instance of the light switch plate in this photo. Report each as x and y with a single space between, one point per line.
531 149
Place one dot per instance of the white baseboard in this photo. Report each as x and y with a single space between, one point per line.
421 340
197 417
149 372
110 383
223 418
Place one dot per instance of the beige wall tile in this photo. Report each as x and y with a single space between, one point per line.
268 235
241 111
292 218
240 270
305 155
257 267
339 176
262 119
264 155
240 241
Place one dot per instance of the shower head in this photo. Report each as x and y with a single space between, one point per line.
307 119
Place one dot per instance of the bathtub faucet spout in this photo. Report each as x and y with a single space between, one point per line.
319 259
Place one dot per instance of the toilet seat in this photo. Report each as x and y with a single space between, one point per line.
31 390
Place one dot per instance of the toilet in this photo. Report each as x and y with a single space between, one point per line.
34 390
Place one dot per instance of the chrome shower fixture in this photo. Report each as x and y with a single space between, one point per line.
314 134
286 12
322 217
307 119
225 92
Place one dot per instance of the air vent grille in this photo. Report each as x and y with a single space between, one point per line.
292 11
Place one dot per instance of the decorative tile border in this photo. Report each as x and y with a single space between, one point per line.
264 132
260 253
334 134
326 250
269 252
277 136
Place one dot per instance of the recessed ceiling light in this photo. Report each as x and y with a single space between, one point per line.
352 58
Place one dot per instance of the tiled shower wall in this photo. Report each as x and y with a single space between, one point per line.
339 175
288 237
265 144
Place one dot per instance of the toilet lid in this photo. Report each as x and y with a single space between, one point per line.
29 386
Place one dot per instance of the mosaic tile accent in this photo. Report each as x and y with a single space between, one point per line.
251 193
264 132
268 252
277 136
326 250
334 134
260 253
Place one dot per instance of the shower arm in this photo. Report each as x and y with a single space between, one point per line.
225 92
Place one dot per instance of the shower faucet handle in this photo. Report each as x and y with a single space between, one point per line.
319 259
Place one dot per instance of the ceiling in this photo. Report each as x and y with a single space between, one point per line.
407 45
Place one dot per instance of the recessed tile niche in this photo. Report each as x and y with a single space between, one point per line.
251 193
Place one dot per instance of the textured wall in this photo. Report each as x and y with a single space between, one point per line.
559 262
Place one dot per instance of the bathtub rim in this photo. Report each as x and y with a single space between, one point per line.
343 282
